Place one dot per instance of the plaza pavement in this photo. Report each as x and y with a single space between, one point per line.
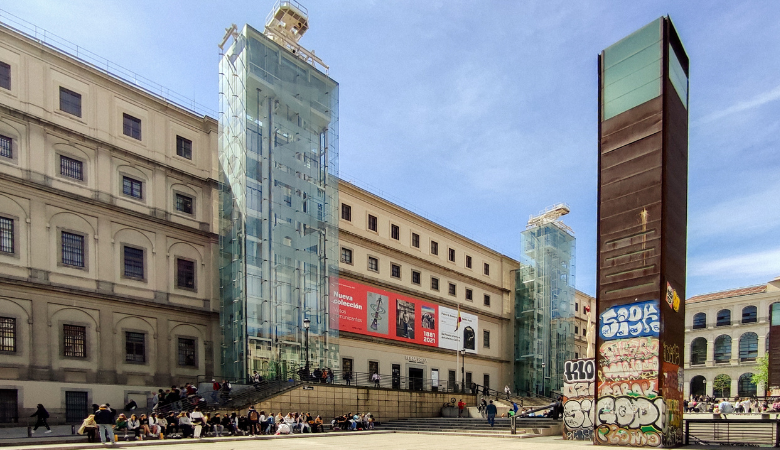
378 440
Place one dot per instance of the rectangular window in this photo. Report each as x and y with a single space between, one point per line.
75 341
135 347
434 284
71 168
486 338
134 263
72 249
187 352
395 232
132 187
185 273
6 235
70 102
415 277
183 147
131 126
415 240
487 300
469 295
452 254
468 262
184 203
395 271
373 264
346 212
5 76
576 330
434 248
452 289
486 269
486 380
372 222
576 306
346 255
6 147
7 334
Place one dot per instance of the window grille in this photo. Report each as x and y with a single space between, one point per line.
72 249
184 203
6 235
183 147
187 352
135 347
5 76
132 187
6 147
185 274
134 262
75 341
71 168
7 334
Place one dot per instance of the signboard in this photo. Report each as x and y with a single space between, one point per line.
375 312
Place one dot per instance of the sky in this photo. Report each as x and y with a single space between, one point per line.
479 114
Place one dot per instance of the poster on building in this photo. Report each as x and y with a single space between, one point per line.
370 311
455 337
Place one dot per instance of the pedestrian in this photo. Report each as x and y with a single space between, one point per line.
461 407
348 378
254 418
42 416
507 391
491 413
376 378
105 423
215 387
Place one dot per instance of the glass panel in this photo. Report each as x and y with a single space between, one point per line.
631 44
698 351
70 102
775 312
677 77
749 314
724 318
134 262
632 99
699 321
723 349
748 347
5 76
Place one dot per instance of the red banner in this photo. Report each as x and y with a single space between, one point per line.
374 312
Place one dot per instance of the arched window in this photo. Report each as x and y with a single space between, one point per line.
721 387
698 385
774 313
698 351
748 347
723 349
699 321
724 318
745 386
749 314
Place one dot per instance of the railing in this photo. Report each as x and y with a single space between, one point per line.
732 431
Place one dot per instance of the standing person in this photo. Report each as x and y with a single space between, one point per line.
105 423
376 378
254 418
507 391
348 378
225 391
42 416
461 407
491 413
215 387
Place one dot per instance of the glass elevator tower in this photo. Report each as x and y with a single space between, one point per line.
278 157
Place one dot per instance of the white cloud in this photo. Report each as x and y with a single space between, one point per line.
764 263
741 213
755 102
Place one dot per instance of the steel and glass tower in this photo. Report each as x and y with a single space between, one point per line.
278 156
544 304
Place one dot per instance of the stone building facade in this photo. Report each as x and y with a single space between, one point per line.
106 236
724 334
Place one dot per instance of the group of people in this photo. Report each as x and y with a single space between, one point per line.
743 405
257 423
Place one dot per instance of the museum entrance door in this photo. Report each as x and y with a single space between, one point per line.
415 379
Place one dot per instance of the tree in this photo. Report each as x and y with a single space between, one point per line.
721 384
761 375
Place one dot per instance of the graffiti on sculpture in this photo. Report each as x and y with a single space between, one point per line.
629 359
630 420
672 298
672 354
632 320
578 402
629 388
673 397
579 370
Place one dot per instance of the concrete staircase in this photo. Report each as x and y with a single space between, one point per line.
526 427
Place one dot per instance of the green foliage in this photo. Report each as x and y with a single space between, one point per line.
761 375
721 383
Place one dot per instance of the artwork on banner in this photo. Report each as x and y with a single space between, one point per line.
672 298
404 326
456 337
578 399
632 320
377 312
629 359
361 309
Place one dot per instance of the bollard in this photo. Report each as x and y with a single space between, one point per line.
29 431
73 429
513 424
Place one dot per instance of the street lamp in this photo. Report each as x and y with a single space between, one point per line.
544 390
463 371
306 325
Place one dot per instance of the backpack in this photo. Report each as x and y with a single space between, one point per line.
253 416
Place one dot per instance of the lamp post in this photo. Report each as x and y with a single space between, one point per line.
306 325
543 386
463 371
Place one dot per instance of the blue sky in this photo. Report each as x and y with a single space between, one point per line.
479 114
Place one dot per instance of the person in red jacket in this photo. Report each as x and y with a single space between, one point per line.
461 407
215 386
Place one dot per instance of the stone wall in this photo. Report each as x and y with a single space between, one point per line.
385 404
